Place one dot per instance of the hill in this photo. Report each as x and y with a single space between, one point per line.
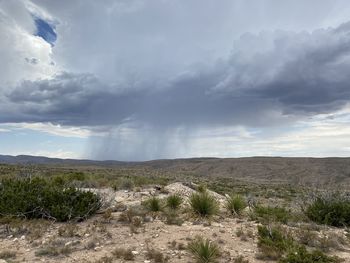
333 171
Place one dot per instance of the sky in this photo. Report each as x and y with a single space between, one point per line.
137 80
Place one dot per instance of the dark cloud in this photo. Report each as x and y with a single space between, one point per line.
268 78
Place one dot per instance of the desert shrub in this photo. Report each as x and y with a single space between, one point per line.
153 204
300 255
39 198
273 242
203 204
76 176
266 214
333 210
126 184
173 201
68 179
172 218
235 204
204 250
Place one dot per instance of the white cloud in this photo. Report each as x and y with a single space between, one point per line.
50 128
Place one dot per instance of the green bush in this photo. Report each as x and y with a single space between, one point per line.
40 198
126 184
273 242
235 204
203 250
333 210
173 201
301 255
203 204
266 214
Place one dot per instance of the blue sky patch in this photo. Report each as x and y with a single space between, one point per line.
45 31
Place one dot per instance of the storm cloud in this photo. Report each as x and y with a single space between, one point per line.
270 76
152 77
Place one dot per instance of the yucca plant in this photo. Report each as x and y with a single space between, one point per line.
203 204
173 201
153 204
204 250
201 188
235 204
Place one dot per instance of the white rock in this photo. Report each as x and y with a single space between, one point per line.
68 243
134 252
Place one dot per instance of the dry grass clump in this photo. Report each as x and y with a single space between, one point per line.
324 241
123 253
32 229
53 251
7 254
92 243
240 259
244 235
105 259
68 230
156 256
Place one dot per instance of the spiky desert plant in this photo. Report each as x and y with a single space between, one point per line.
203 204
235 204
204 250
154 204
173 201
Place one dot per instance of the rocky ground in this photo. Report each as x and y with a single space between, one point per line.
115 235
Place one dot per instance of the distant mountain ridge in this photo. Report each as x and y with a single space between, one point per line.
30 159
295 170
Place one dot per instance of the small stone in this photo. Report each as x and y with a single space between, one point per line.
148 219
134 252
147 261
23 237
68 243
